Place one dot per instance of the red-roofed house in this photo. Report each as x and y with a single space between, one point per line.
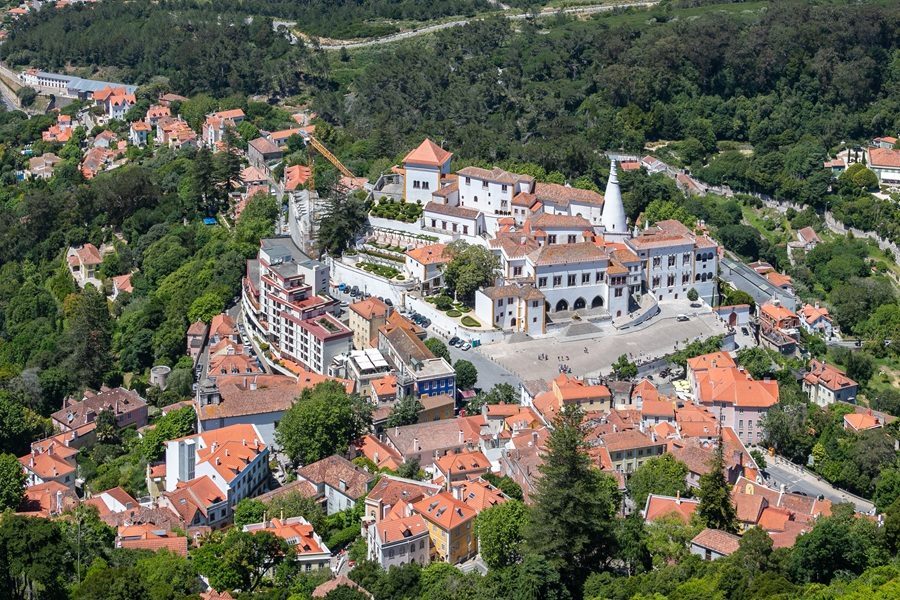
740 401
311 551
816 319
462 466
885 162
215 470
826 384
658 507
150 537
424 169
711 544
858 422
450 526
400 541
567 390
425 264
83 263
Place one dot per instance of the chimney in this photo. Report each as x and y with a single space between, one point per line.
253 384
218 461
255 442
397 431
460 436
31 461
226 452
738 457
534 437
678 497
58 501
244 441
215 445
615 428
457 493
416 445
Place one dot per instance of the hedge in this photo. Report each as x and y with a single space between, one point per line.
453 313
469 322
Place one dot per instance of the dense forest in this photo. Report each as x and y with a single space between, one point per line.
197 50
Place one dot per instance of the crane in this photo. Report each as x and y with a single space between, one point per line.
320 147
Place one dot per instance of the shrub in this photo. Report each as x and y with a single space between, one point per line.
470 322
453 313
444 303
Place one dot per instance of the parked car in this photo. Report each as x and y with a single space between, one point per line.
453 341
342 287
388 302
426 323
354 291
465 346
682 318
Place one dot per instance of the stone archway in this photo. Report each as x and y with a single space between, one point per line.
562 305
579 303
597 302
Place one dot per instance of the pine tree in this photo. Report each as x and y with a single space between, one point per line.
574 505
716 510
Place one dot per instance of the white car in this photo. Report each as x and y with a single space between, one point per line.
682 318
465 346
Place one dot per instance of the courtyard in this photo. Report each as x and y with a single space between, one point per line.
592 354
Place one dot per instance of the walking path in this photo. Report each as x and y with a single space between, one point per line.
405 35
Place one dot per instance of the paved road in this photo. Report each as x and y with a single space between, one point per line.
795 480
404 35
489 372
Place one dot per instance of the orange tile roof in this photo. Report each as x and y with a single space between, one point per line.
645 390
464 462
777 312
748 508
295 176
773 519
444 510
812 313
718 541
46 465
176 545
779 279
369 308
660 506
658 408
394 530
429 255
628 440
479 495
563 195
884 157
329 586
737 387
822 373
385 386
714 359
296 530
428 153
862 421
44 498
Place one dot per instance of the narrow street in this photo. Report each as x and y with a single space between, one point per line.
794 479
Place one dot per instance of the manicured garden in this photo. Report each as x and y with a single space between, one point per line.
382 271
388 208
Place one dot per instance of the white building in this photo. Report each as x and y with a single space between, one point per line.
512 307
885 163
674 259
491 192
426 264
340 481
283 306
398 541
424 170
215 470
613 221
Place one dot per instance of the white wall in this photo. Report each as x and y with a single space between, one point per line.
428 178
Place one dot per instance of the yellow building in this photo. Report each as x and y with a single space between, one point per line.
451 527
366 316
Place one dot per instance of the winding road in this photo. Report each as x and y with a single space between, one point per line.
405 35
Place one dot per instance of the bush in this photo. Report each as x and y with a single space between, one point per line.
453 313
443 303
469 322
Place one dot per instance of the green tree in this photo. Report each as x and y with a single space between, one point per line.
173 425
112 583
502 393
668 539
404 412
693 295
249 510
34 559
887 489
107 431
12 482
716 510
89 337
89 538
341 222
756 360
205 307
471 267
466 374
631 539
500 531
322 422
168 576
574 541
663 475
839 543
238 559
624 368
438 348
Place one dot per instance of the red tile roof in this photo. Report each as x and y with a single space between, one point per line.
429 255
661 506
884 157
718 541
428 153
